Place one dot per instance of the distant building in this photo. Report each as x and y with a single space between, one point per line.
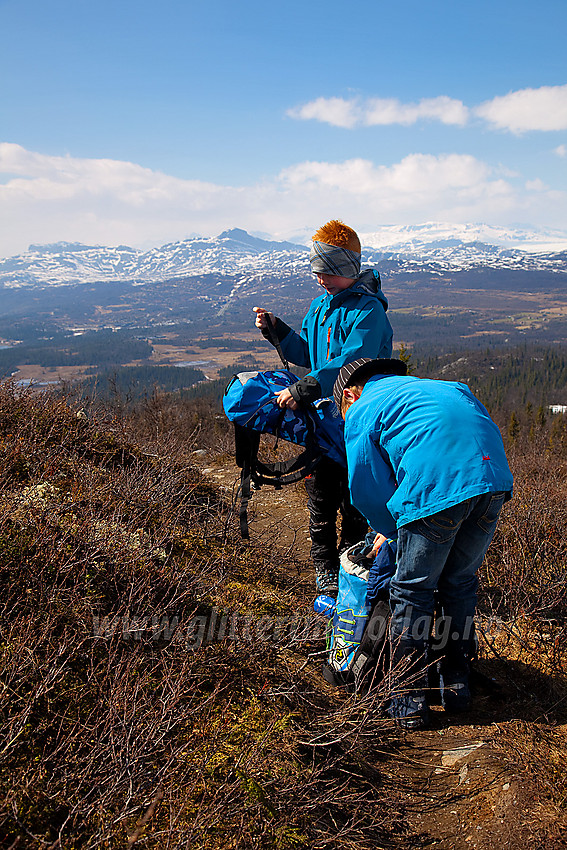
557 408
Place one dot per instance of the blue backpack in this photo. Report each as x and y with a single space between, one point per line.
358 647
357 637
250 404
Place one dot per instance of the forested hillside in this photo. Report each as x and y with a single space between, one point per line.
506 378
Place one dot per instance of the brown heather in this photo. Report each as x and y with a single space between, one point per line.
118 729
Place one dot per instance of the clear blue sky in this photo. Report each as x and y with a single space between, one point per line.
141 122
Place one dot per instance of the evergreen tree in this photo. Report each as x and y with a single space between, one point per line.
405 356
513 427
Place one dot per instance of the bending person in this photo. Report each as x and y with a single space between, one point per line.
425 463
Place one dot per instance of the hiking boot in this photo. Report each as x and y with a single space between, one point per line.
327 582
409 711
455 693
454 677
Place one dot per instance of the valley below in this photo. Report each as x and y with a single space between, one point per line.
209 324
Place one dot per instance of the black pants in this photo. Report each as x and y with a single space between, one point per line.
327 491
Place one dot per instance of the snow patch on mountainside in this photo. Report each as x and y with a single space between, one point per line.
432 248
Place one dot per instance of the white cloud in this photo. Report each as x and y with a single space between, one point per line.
561 150
536 185
528 109
100 201
381 111
443 109
49 198
330 110
419 187
410 177
543 109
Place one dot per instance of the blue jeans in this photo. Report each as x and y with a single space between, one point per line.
441 552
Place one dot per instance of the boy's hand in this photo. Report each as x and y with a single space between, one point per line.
285 399
262 318
378 541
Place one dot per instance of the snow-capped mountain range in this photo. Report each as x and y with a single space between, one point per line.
414 238
434 248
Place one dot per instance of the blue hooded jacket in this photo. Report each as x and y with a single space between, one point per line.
338 329
416 447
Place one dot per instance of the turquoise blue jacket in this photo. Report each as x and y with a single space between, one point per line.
416 447
338 329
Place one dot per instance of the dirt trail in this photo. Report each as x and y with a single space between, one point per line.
461 792
466 784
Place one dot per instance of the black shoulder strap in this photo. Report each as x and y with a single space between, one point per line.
246 442
275 474
285 471
275 340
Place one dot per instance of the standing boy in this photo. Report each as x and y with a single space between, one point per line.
425 463
347 321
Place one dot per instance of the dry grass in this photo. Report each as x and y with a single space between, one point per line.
156 681
143 700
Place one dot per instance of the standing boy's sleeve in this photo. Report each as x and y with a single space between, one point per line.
294 345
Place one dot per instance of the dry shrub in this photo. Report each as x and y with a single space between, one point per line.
185 425
522 628
524 572
130 713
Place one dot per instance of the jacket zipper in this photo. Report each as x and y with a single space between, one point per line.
328 342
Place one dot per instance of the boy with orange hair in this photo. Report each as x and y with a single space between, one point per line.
346 322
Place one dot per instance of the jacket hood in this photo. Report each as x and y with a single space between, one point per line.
367 283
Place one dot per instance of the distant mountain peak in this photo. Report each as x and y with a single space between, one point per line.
433 248
413 237
237 233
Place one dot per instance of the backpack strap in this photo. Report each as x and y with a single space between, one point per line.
289 471
275 340
286 471
276 474
371 659
246 442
